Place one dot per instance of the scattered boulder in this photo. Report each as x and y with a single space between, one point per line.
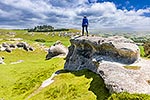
5 47
5 44
12 46
107 57
31 48
2 48
8 50
2 60
25 46
21 44
56 49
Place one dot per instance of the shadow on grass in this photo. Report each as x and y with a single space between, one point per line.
97 85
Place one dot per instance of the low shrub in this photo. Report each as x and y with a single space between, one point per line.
40 40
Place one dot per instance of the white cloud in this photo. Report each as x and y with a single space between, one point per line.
106 15
68 13
3 13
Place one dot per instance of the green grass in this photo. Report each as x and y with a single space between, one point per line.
18 81
127 96
142 53
80 85
49 40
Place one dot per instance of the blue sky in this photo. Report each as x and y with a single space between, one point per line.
129 4
102 14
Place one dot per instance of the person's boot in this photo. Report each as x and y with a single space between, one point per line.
87 35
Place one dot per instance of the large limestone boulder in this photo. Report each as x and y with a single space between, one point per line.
109 58
84 51
56 49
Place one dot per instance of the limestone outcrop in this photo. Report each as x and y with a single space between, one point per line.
109 58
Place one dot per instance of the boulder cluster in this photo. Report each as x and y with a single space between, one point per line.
8 47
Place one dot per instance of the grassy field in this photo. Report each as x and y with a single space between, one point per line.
18 81
79 85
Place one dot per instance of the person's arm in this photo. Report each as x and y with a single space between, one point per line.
87 22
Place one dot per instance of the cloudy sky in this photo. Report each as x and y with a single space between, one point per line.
102 14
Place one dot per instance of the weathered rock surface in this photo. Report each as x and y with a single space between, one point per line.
56 49
87 51
107 57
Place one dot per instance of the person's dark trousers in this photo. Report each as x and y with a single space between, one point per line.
86 28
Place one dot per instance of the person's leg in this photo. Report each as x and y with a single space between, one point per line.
87 30
82 30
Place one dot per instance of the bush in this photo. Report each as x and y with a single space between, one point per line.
142 52
39 40
147 49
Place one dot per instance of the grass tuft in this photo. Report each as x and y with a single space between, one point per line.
128 96
132 67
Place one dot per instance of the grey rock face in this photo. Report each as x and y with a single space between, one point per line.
85 51
119 79
107 57
56 49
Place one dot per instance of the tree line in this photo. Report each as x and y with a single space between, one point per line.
46 28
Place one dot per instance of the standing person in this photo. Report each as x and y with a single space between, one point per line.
85 25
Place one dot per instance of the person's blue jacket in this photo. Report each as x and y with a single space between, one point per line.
85 22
